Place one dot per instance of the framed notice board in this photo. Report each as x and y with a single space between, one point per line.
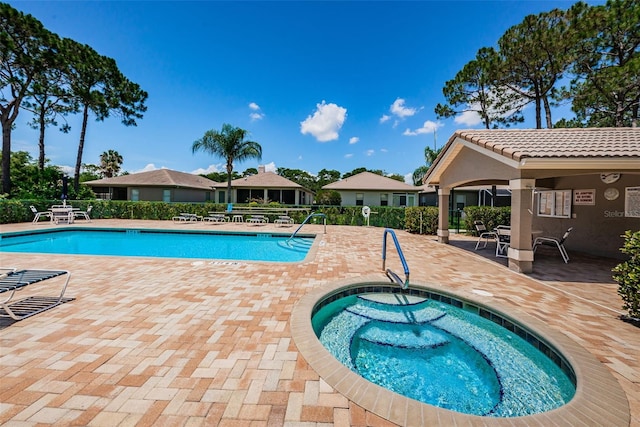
554 203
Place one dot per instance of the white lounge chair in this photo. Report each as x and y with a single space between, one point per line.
554 241
38 215
83 214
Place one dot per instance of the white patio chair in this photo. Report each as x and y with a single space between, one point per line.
483 234
503 240
554 241
37 214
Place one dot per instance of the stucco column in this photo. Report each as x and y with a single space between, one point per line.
520 253
443 215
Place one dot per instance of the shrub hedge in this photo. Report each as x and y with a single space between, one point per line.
490 216
420 220
627 274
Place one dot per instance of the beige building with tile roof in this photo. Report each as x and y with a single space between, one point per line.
266 186
370 189
588 179
158 185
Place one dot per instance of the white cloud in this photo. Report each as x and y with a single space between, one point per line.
325 123
210 169
270 167
149 167
408 178
427 127
68 170
354 140
369 153
384 150
398 109
257 113
384 118
348 156
468 118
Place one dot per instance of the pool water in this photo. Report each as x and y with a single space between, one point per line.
165 244
441 355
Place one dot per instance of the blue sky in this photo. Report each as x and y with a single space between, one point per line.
335 85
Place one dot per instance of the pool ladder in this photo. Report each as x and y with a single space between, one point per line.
390 274
307 220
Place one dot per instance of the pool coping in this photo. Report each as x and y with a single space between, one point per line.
599 398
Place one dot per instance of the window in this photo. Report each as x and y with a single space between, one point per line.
359 199
222 196
399 199
135 194
384 199
166 196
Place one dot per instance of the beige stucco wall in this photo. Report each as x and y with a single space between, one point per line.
372 198
597 228
177 194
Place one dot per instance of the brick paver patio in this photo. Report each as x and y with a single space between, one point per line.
199 342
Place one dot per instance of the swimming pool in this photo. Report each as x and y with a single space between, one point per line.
160 243
423 347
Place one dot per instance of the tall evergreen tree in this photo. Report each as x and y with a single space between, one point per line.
476 89
27 49
606 87
100 88
534 56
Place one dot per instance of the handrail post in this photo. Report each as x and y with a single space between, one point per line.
389 273
306 220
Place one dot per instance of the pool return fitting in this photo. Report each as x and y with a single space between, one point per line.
390 274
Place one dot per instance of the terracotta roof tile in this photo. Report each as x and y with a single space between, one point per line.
544 143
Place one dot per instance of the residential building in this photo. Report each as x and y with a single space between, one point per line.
164 185
264 186
370 189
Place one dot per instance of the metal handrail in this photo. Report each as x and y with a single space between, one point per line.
390 274
307 220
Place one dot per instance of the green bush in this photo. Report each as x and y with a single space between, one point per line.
627 274
490 216
13 211
421 220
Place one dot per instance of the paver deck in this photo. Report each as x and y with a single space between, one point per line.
151 341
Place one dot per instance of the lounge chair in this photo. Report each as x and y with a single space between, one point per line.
13 280
554 241
216 218
258 220
186 217
484 234
38 215
83 214
284 221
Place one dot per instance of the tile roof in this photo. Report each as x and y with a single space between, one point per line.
157 178
261 180
370 181
518 144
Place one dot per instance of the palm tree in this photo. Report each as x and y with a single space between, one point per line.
110 162
429 157
230 144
